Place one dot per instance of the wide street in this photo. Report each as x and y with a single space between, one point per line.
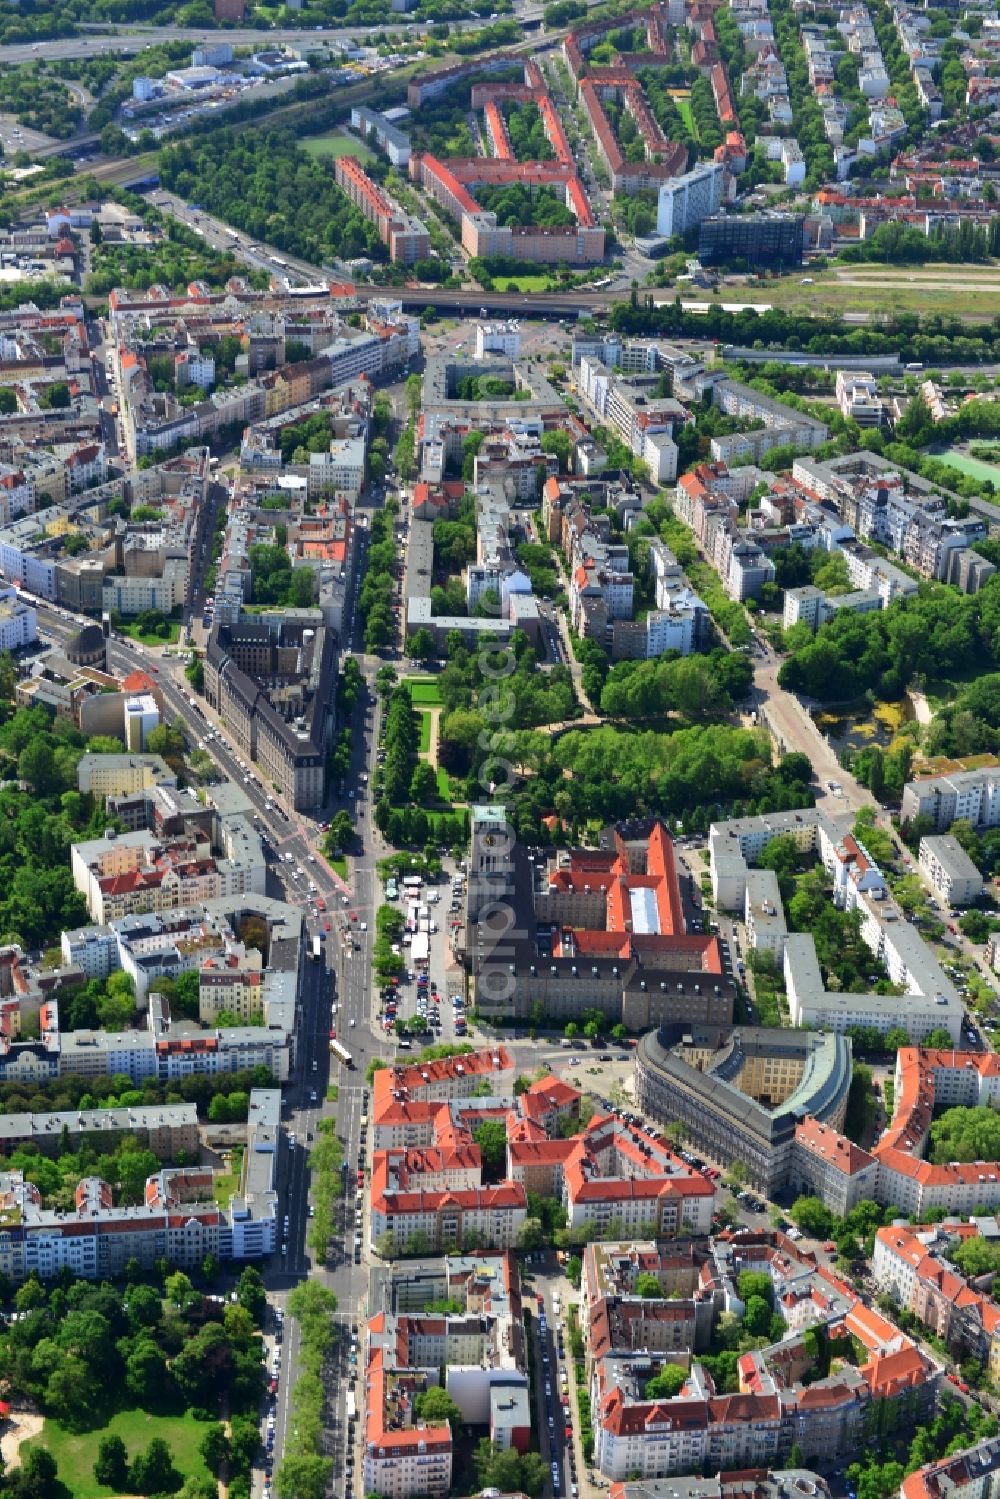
335 994
132 39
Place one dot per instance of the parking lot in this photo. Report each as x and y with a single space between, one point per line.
15 137
430 993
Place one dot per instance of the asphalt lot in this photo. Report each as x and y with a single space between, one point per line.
15 137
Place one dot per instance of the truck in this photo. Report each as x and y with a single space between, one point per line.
317 947
351 1407
342 1054
420 950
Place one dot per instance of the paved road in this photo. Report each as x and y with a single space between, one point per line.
132 39
136 39
794 729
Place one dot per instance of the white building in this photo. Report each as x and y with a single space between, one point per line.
18 621
763 914
142 716
498 338
17 494
929 999
684 201
393 141
971 794
193 367
793 162
92 948
133 595
341 469
857 394
949 870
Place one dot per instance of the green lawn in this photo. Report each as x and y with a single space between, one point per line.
974 467
75 1452
425 732
226 1184
435 820
151 637
339 866
424 691
334 144
444 785
684 110
523 284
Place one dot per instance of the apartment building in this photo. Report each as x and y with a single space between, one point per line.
18 621
912 1265
931 998
232 983
902 512
164 1129
135 872
405 237
478 1350
339 469
944 799
949 871
428 1180
645 423
371 125
781 425
972 1474
858 398
825 1164
779 1403
684 201
178 1219
763 916
953 1078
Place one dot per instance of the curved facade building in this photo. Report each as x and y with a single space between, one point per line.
740 1094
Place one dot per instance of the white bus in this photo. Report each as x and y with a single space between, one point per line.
342 1054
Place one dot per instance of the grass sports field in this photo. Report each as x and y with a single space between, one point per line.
335 144
974 467
684 110
76 1452
424 691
